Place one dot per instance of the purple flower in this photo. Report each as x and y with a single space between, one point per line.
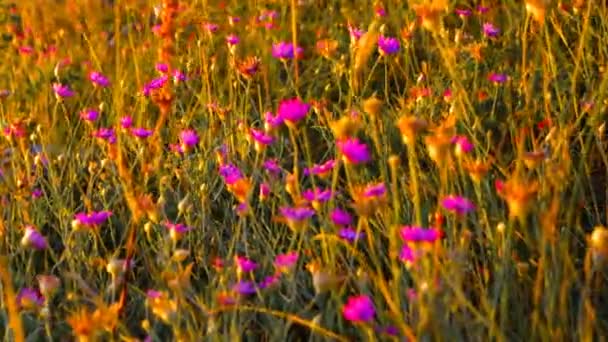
162 68
463 144
341 217
126 122
264 191
176 230
359 309
319 195
261 138
141 133
458 204
497 78
154 84
272 166
349 234
296 214
284 50
320 169
230 173
353 151
388 45
272 121
89 114
188 138
211 27
293 110
107 134
418 234
62 91
179 76
355 33
36 193
29 298
490 30
244 264
32 238
409 255
482 9
98 79
244 288
92 219
269 281
374 190
286 262
232 39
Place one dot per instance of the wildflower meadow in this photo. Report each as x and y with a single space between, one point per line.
303 170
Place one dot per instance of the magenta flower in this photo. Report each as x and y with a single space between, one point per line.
98 79
293 110
490 30
269 281
296 214
349 234
92 219
285 50
89 115
374 190
353 151
126 122
463 12
232 39
341 217
189 139
244 288
272 121
320 169
272 166
106 134
141 133
37 193
155 84
261 138
359 309
388 45
179 76
497 78
62 91
230 173
29 298
244 265
211 27
318 195
419 234
482 9
176 230
32 238
458 204
163 68
409 255
286 262
463 144
355 33
264 191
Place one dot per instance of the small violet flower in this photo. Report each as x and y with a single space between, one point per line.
359 309
353 151
388 45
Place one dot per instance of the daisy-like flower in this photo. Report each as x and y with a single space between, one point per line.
353 151
141 132
458 204
418 234
359 309
285 50
388 45
89 115
33 239
320 169
286 262
341 217
293 110
92 219
244 264
497 78
296 217
490 31
189 139
62 91
98 79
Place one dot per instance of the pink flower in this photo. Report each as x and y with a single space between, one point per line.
497 78
374 190
359 309
341 217
353 151
232 39
318 195
349 234
490 30
463 145
419 234
388 45
32 238
98 79
458 204
244 288
261 138
293 110
188 138
89 115
29 299
286 262
126 122
92 219
244 265
141 133
62 91
320 169
285 50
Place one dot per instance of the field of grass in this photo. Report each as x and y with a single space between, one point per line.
303 170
